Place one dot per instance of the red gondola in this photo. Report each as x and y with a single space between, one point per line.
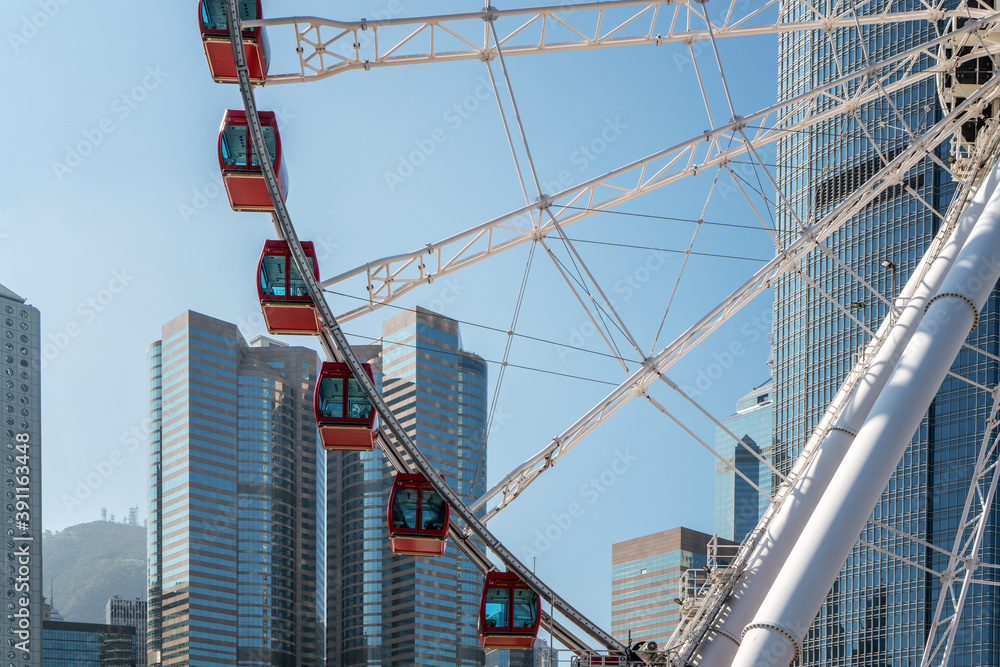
284 297
345 416
241 175
418 517
509 612
219 48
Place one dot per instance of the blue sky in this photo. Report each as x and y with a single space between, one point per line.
113 222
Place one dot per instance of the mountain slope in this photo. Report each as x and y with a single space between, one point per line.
90 563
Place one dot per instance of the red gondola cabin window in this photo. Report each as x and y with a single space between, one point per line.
344 415
241 166
219 48
284 296
418 517
509 612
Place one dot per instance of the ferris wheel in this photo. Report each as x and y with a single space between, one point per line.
848 141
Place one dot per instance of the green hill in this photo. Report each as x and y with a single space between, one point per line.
91 563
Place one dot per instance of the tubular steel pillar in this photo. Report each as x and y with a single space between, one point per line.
774 637
783 530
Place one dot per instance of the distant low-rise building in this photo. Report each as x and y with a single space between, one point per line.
540 656
647 580
129 612
88 644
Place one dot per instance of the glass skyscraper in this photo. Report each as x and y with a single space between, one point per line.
879 609
89 644
397 611
739 506
236 533
20 399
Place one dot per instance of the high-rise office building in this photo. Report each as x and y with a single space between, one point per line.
879 609
739 506
20 426
119 611
403 610
646 579
235 520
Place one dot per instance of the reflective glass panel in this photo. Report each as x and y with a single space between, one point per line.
496 608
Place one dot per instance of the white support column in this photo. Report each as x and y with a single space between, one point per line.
775 635
783 530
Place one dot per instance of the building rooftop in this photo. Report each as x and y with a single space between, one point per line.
8 294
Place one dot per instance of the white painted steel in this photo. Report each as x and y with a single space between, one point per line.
326 47
511 485
783 530
965 558
337 348
391 277
685 155
776 632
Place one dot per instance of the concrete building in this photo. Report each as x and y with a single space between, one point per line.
133 613
236 498
647 579
403 610
21 435
739 506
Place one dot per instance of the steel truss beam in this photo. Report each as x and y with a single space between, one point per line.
636 385
389 278
326 47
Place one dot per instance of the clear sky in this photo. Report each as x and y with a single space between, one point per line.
113 222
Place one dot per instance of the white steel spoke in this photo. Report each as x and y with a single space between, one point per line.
964 560
636 385
391 277
659 406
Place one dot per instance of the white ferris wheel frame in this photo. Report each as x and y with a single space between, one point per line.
387 278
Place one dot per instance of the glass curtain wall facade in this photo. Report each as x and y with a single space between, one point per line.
130 612
404 610
739 506
646 578
356 537
88 644
879 609
21 428
235 530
